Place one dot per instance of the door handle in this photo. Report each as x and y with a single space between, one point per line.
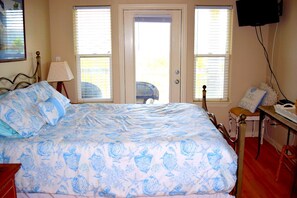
176 81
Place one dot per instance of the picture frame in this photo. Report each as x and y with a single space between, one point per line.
12 31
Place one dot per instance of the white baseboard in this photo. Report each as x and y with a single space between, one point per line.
273 142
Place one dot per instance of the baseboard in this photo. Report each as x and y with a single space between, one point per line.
273 142
251 134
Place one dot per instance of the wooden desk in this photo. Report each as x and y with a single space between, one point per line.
292 126
269 111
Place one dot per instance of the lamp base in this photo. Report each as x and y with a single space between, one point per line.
61 85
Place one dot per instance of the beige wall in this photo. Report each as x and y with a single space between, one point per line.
247 62
37 38
285 63
285 58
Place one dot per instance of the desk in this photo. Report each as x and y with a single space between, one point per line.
269 111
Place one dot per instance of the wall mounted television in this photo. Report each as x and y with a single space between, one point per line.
258 12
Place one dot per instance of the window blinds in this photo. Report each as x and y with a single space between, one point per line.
93 30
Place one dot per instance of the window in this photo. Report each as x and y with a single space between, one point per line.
92 34
212 51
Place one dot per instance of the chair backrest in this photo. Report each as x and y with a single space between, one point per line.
145 90
89 90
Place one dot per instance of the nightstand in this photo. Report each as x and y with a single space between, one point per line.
7 185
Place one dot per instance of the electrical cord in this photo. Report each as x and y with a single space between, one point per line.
260 39
272 52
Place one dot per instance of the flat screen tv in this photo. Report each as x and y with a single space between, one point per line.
257 12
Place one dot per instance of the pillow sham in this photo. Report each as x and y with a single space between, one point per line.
7 131
41 91
51 110
37 92
252 99
270 96
20 110
26 121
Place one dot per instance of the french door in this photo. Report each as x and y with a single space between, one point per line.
152 43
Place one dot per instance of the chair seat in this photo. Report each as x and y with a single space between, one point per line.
235 112
238 110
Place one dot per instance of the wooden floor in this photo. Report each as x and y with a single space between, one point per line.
259 175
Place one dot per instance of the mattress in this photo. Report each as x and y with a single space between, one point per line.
125 150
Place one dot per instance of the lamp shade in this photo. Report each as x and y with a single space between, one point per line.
59 71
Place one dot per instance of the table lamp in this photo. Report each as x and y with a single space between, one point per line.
60 72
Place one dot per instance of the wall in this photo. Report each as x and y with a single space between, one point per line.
285 64
247 62
37 38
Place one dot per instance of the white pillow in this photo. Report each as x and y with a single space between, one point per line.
270 97
252 99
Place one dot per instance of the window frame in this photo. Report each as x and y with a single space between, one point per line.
99 55
227 57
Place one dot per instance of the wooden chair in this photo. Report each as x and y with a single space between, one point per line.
234 114
288 154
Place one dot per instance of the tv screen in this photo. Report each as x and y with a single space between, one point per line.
257 12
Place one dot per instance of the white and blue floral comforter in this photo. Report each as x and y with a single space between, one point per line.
112 150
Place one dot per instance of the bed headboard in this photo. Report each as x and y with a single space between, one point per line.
21 79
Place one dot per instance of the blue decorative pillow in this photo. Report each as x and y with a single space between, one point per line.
51 110
252 99
47 89
7 131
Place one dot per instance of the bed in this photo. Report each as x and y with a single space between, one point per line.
115 150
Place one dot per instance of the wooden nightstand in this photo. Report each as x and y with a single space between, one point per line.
7 185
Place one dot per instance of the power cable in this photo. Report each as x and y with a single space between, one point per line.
260 39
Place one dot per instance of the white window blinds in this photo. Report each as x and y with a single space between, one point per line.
212 51
92 28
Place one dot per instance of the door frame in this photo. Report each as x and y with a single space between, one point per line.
183 51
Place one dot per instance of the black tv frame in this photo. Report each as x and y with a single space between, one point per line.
258 12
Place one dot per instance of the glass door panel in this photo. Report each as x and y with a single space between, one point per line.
152 58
